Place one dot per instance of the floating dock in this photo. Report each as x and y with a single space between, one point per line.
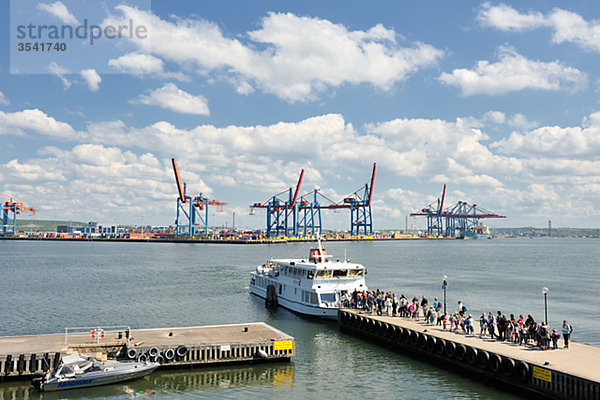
572 373
23 356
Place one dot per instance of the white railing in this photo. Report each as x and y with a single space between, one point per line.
98 329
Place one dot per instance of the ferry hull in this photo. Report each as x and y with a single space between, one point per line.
313 311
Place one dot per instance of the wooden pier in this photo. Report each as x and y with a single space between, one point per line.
23 356
572 373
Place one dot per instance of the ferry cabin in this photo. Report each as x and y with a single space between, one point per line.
315 286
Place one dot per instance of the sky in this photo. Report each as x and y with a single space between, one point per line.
497 100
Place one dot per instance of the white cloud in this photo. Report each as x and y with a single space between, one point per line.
60 72
295 58
514 72
175 99
508 19
555 142
91 78
35 121
144 64
3 99
58 9
567 26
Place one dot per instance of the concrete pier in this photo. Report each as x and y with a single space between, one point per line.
572 373
23 356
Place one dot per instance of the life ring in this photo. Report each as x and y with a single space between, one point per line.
522 371
181 351
153 352
471 355
508 366
495 363
450 349
169 354
461 352
131 353
483 359
98 333
431 342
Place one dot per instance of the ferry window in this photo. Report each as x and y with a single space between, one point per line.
340 273
323 273
328 297
314 298
311 274
355 272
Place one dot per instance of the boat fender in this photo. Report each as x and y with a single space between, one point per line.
363 322
159 359
522 371
431 342
471 355
461 352
46 363
391 331
440 346
495 362
181 351
483 359
414 338
21 364
262 354
153 352
372 325
143 358
33 363
398 333
271 298
422 340
450 349
406 335
508 366
131 353
169 354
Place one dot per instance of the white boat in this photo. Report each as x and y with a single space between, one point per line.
315 286
77 371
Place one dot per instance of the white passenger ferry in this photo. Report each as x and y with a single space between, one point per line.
315 286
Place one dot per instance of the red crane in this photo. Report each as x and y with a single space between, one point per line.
15 207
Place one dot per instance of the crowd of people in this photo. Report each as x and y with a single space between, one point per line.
499 326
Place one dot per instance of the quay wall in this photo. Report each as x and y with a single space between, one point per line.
500 363
22 357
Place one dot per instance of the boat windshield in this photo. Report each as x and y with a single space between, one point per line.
323 273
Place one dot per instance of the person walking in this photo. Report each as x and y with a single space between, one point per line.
566 333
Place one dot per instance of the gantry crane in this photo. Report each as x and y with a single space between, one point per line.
9 224
190 209
282 215
455 219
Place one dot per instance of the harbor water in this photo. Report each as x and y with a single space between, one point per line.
47 286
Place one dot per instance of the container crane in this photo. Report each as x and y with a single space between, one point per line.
455 219
9 221
282 214
192 211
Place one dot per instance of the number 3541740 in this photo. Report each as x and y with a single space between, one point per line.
41 46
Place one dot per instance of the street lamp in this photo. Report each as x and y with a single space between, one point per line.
545 292
444 286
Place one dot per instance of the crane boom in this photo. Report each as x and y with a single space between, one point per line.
372 183
297 189
178 180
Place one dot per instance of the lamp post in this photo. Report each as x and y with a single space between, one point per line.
444 286
545 292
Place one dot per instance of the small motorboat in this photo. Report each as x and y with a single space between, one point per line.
78 371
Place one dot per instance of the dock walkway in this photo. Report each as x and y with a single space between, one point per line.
23 356
562 373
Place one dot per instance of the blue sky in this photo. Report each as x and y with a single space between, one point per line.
498 100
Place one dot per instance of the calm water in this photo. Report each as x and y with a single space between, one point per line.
46 286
